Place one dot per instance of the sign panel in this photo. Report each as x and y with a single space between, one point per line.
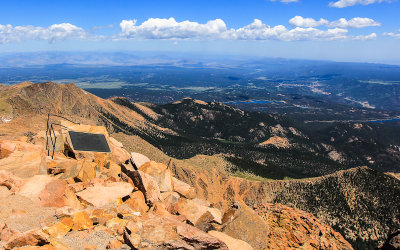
89 142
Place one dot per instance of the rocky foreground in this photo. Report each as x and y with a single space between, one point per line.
122 200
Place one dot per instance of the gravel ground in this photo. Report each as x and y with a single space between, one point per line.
22 214
78 240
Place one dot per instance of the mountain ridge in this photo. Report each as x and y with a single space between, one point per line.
32 102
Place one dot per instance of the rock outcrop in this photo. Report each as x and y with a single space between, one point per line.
102 197
342 200
96 192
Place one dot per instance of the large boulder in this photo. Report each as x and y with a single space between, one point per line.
34 237
10 181
118 154
60 164
170 201
183 188
6 233
87 170
162 175
101 194
61 228
137 202
145 183
81 221
232 243
196 210
6 148
25 160
139 159
158 232
49 191
244 224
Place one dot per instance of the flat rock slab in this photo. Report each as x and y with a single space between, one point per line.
101 195
49 191
139 159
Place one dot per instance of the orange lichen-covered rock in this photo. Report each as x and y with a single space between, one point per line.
61 228
236 223
293 228
137 202
81 221
160 173
87 170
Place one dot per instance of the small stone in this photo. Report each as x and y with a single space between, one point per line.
132 240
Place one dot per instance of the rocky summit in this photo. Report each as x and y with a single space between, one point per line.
105 200
138 197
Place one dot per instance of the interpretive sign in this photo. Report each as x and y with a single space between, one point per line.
89 142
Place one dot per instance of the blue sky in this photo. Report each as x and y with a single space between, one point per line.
341 30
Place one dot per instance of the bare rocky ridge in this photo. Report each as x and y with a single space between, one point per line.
360 203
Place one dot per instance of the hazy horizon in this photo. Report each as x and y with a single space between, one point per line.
341 30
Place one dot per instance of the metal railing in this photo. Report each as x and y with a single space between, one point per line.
51 137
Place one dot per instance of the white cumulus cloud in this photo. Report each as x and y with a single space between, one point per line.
171 29
157 28
216 29
357 22
53 33
348 3
300 21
